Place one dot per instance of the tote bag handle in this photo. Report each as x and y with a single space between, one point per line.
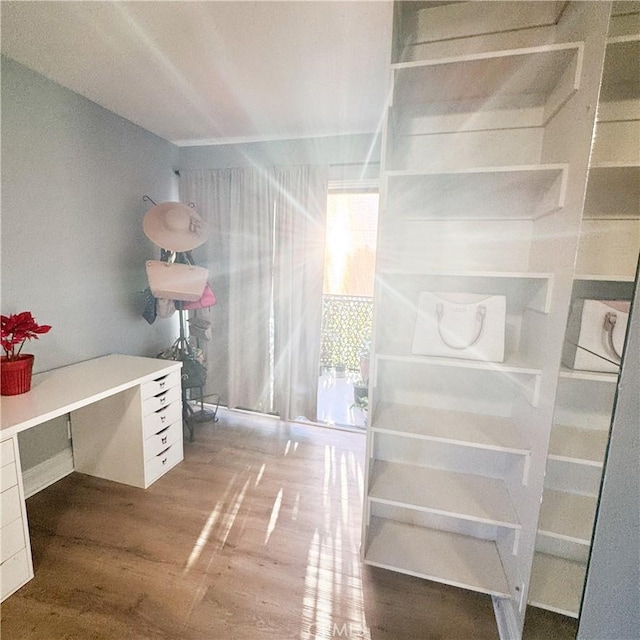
481 313
608 326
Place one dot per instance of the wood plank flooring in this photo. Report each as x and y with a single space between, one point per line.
255 536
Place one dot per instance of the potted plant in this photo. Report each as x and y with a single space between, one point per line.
16 367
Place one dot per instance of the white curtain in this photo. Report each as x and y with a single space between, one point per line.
300 213
238 254
265 256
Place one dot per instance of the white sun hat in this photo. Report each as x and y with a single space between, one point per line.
175 227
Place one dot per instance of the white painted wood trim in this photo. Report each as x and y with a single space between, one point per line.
46 473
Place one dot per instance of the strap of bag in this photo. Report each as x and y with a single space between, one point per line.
481 313
608 326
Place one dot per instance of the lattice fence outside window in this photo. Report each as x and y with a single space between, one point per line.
346 327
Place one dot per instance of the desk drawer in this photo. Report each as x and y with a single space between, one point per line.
161 463
12 539
7 453
160 385
157 443
154 403
161 419
9 476
10 506
15 572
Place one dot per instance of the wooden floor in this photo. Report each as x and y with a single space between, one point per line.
255 536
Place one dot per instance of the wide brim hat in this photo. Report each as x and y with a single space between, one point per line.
175 227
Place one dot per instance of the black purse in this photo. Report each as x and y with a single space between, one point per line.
194 373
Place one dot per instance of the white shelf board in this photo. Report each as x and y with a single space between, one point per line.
590 376
576 445
539 300
556 584
441 556
396 353
461 495
516 192
511 368
548 72
454 427
620 78
613 191
567 516
601 277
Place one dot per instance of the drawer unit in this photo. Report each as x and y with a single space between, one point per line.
16 568
9 476
10 505
126 424
161 385
7 454
164 399
15 572
12 539
155 444
159 464
158 420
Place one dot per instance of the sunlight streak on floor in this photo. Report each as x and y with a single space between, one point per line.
275 512
333 602
260 474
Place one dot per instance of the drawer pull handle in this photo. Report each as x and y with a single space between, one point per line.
163 384
163 418
163 399
164 440
164 460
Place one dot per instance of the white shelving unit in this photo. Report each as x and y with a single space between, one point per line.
607 258
485 154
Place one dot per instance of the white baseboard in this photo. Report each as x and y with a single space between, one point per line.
47 472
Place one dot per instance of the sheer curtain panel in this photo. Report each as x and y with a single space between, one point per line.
300 214
266 259
237 205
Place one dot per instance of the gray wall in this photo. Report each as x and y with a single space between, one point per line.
611 604
73 250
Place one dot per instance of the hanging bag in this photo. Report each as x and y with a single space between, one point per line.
595 334
460 325
193 372
175 281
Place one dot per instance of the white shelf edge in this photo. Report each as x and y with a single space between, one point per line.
632 37
514 168
591 376
585 462
431 416
492 491
489 55
564 538
479 567
497 367
454 441
595 277
563 597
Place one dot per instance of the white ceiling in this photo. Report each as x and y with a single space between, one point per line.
212 72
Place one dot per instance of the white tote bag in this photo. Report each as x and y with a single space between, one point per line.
595 334
176 281
460 325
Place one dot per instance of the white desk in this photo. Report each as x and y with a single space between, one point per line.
126 423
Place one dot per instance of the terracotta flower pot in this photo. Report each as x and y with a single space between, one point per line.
15 375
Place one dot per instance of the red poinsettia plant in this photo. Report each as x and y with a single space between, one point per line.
17 328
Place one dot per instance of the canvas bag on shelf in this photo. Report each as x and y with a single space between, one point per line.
176 281
595 334
460 325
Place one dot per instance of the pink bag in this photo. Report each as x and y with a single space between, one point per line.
208 299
